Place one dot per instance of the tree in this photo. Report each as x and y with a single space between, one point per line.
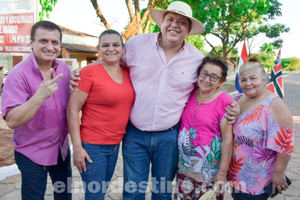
197 41
231 21
270 31
266 60
267 48
291 64
47 6
139 21
219 52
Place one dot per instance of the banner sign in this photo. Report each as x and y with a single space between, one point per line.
71 62
16 20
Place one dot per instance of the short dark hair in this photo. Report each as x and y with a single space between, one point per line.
47 25
110 31
217 61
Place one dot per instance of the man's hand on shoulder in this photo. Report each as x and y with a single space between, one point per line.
74 77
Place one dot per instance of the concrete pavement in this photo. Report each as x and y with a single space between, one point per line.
10 187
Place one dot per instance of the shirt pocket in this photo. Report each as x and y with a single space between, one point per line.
181 79
38 120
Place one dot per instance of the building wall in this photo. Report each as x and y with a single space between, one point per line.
81 59
7 58
74 39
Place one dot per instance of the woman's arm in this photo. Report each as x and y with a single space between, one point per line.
281 113
76 101
226 152
283 117
233 111
278 178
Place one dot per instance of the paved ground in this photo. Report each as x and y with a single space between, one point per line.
10 187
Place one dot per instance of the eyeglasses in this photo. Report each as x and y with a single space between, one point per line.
212 77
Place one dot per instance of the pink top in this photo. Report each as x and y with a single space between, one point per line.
161 88
41 138
200 139
257 139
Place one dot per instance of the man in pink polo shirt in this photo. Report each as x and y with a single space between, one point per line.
34 102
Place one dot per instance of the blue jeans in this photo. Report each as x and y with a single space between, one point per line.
100 171
139 149
34 178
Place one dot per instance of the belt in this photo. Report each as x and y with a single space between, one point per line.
176 126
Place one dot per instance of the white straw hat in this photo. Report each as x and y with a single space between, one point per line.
181 8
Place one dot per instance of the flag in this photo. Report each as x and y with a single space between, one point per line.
275 83
243 59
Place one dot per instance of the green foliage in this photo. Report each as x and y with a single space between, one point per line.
196 40
231 21
219 50
291 64
277 43
267 61
273 31
153 28
285 62
268 49
295 64
270 31
47 7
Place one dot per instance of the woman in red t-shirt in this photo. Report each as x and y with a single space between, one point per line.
105 96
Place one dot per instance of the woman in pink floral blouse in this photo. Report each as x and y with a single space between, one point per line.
205 139
263 137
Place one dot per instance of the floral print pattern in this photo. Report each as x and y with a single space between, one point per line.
257 139
199 139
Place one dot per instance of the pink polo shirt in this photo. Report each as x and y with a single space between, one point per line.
161 88
41 138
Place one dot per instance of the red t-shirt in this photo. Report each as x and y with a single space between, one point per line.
106 111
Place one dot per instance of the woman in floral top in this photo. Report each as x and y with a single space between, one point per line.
205 138
263 137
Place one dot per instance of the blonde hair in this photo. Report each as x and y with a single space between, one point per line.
254 62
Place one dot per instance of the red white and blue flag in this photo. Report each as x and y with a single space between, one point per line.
275 83
243 59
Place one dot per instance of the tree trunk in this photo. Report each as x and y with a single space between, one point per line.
137 23
100 14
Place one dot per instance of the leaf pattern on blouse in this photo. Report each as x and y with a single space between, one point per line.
235 166
285 140
248 173
253 116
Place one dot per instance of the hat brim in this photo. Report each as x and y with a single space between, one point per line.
158 16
